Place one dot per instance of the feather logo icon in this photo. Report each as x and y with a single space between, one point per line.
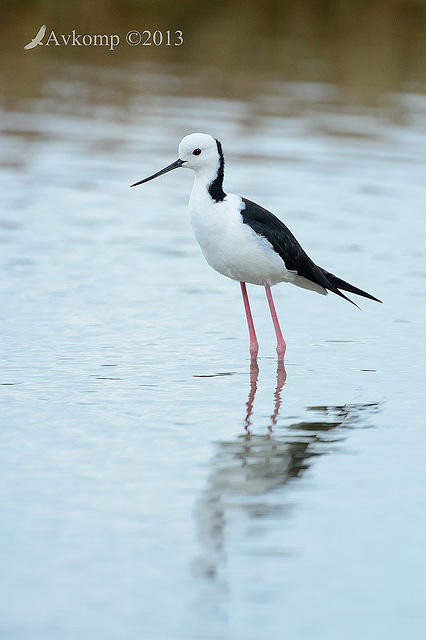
37 38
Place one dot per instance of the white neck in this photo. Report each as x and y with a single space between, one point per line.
204 177
200 193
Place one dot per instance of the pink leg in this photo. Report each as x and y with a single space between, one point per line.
254 346
281 346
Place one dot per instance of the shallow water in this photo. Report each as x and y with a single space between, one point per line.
153 485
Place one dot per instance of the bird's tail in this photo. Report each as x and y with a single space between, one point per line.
338 283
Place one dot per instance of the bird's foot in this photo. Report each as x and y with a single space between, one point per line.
281 351
254 350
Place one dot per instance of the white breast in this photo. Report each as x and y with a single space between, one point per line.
231 247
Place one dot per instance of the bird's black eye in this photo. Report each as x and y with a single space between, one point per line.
196 152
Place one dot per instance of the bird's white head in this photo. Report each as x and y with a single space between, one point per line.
200 152
203 154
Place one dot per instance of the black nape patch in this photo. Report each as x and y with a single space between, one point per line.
216 187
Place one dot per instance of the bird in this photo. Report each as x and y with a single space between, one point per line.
242 240
37 38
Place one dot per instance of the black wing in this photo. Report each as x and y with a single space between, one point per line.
295 258
346 286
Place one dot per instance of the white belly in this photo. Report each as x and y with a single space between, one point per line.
231 247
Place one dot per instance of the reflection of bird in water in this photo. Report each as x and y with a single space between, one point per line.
246 470
254 374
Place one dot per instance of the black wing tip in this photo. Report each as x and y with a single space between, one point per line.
364 294
338 283
342 295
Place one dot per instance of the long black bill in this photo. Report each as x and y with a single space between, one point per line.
175 165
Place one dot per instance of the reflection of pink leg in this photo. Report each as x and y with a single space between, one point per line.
281 378
254 373
280 340
254 346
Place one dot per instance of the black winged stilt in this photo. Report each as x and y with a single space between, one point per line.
244 241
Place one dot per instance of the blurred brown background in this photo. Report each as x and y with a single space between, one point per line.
231 48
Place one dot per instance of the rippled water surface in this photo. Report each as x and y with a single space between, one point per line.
153 485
